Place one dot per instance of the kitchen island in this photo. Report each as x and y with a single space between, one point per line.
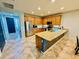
46 39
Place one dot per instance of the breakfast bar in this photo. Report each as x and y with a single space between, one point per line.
46 39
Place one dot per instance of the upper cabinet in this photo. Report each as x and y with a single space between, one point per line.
38 21
30 18
53 20
45 21
56 20
34 20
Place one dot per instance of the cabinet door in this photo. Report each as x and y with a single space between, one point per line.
58 20
40 30
53 20
38 42
38 21
32 19
44 21
49 19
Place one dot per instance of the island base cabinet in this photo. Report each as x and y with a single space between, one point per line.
41 44
38 42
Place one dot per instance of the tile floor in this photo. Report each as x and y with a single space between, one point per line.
26 49
68 51
23 49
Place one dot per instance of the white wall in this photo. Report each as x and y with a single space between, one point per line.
22 25
71 21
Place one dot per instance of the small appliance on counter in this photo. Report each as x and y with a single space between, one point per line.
34 26
56 28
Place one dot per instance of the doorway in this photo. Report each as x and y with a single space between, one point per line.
13 27
2 39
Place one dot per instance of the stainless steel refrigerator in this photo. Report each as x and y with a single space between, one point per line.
28 28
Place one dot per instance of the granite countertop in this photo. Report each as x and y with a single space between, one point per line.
49 36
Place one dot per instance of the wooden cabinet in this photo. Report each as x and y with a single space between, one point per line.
31 19
34 21
38 42
37 30
49 19
58 20
38 21
54 19
45 21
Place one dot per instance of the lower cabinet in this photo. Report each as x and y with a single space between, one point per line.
41 44
37 30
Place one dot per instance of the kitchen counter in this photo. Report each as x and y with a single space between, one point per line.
46 39
49 36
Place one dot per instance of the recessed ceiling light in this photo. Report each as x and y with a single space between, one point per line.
62 8
53 1
39 8
32 12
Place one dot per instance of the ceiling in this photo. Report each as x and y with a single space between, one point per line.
47 7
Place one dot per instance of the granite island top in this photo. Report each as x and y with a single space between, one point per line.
49 36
